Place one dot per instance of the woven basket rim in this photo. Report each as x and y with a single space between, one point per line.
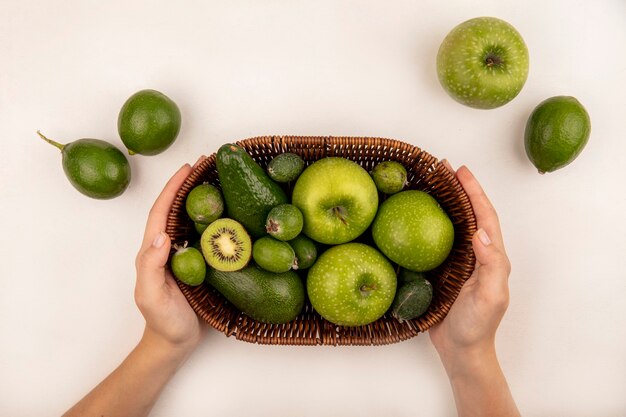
309 328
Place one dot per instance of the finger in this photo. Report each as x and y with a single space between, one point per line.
446 164
493 261
199 161
157 219
486 216
150 262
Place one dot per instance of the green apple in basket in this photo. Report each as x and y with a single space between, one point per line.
338 200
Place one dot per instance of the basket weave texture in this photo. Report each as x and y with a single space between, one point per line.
425 173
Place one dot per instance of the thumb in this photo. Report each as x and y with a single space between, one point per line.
492 260
152 259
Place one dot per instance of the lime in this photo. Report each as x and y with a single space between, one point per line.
148 122
556 133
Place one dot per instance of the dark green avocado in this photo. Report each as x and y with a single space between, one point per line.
94 167
265 296
249 193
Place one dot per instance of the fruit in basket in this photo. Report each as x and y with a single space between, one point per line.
284 222
94 167
226 245
265 296
305 250
204 203
249 194
412 299
556 133
351 284
148 122
413 231
274 255
188 265
389 177
285 167
338 200
483 63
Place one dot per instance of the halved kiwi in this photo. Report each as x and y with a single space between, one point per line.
226 245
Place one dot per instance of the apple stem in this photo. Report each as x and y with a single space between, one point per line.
338 211
365 288
493 60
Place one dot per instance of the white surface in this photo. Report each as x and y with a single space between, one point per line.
239 69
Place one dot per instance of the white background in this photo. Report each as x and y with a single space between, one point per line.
245 68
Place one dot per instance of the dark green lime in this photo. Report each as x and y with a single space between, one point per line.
389 177
188 265
284 222
285 167
274 255
94 167
204 204
148 122
305 250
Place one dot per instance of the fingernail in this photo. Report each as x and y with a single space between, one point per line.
484 238
159 240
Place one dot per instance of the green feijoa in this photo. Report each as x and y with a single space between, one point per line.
284 222
305 249
188 265
285 167
406 275
94 167
204 203
412 299
274 255
389 177
200 227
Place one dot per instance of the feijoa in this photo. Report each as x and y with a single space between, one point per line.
389 177
274 255
148 122
285 167
284 222
204 203
94 167
305 250
188 265
200 227
412 299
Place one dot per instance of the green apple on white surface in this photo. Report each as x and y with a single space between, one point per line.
351 284
413 231
483 63
338 200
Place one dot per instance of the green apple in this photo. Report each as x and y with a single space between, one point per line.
338 200
483 63
413 231
351 284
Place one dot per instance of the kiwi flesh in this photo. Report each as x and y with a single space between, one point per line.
226 245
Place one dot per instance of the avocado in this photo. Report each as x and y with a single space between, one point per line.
265 296
94 167
249 194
